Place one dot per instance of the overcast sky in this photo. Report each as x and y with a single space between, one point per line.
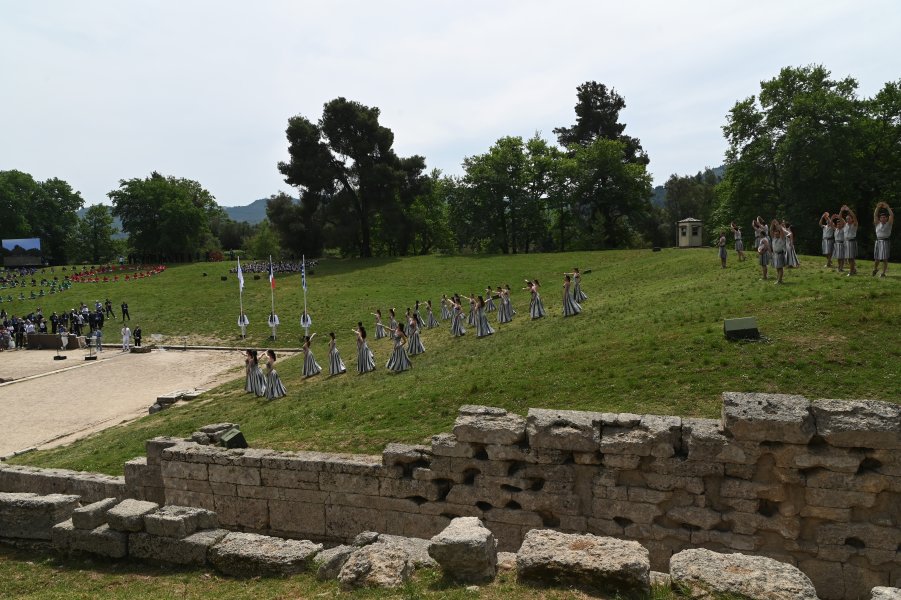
97 91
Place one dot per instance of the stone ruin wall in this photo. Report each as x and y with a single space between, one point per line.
814 484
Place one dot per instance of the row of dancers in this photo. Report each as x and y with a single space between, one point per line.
774 244
840 238
406 338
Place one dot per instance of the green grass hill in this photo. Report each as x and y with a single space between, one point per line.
649 340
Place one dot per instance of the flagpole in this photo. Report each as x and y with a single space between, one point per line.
271 288
241 297
303 280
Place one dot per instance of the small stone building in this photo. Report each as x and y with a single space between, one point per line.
690 233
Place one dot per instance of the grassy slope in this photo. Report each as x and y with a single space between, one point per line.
649 340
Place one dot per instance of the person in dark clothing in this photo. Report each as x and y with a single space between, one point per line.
109 309
137 335
125 314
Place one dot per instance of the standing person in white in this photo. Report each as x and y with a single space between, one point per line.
243 322
884 218
126 339
273 323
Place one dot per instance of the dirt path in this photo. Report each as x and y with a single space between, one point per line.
55 402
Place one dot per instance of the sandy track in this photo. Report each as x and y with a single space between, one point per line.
51 408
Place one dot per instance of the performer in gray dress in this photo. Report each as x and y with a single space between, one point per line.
274 386
739 244
335 364
577 293
257 379
570 306
379 327
310 366
883 218
431 321
489 301
838 253
457 328
399 361
828 238
536 307
483 327
248 362
503 311
471 317
419 322
365 359
445 309
414 343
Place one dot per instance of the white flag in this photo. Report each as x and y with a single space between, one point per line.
240 276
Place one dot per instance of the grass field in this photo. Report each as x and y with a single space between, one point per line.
649 340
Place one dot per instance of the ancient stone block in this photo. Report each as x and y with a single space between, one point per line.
190 550
858 423
493 426
885 593
250 555
29 516
128 515
303 518
289 478
179 521
584 561
154 447
403 454
102 541
376 565
235 474
184 470
447 444
343 522
564 429
704 518
357 484
768 417
826 578
838 499
243 512
466 551
329 562
636 512
703 571
702 439
93 515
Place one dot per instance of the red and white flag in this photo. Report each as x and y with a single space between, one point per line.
271 274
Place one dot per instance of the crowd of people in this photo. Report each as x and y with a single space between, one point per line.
282 266
404 331
775 242
84 321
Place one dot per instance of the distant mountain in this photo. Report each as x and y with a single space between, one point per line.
253 213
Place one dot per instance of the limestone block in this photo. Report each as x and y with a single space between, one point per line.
860 581
29 516
341 482
864 482
704 518
289 478
154 447
872 536
636 512
404 454
858 423
102 540
768 417
93 515
411 488
702 439
242 512
705 574
343 523
491 426
177 469
179 521
826 577
726 539
376 565
128 515
251 555
569 430
466 551
190 550
692 485
137 473
417 549
329 562
623 462
751 523
447 444
886 593
834 459
839 499
305 518
185 498
234 474
415 526
584 561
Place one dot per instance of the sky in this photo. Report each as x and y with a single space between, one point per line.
97 91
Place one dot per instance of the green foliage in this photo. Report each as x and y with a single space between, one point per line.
649 340
264 244
42 209
690 196
809 144
166 218
93 240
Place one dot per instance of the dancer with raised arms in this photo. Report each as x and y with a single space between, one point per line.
570 306
310 366
257 379
536 307
445 309
431 321
379 327
483 327
883 219
414 342
274 386
739 244
457 328
399 361
850 230
335 364
365 359
779 236
828 244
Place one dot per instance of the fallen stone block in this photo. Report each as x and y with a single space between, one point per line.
487 425
466 551
379 565
30 516
330 561
564 429
886 593
102 541
707 574
93 515
591 562
858 423
191 550
128 515
179 521
250 555
417 549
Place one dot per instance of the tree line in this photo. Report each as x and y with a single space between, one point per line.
805 144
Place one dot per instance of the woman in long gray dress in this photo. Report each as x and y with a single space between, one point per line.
414 342
457 328
274 386
536 307
379 327
570 306
445 309
365 359
399 361
483 327
310 366
431 321
335 364
257 379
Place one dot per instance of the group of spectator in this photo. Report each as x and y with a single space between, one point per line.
83 321
282 266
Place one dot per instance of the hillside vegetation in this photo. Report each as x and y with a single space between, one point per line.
649 340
